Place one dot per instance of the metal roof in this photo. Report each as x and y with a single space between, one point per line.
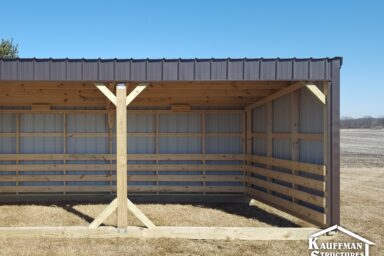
245 69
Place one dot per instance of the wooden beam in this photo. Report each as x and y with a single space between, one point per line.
136 92
276 95
140 215
104 214
199 233
317 92
121 156
104 89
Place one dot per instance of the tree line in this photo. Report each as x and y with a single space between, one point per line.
367 122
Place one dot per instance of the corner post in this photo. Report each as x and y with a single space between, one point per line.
121 156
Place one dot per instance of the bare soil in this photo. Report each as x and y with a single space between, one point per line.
362 208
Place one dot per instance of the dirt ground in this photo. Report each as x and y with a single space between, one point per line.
362 207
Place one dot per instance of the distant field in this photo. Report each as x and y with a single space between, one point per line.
362 148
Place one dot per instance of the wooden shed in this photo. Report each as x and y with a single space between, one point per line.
266 129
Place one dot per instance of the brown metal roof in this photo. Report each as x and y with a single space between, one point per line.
245 69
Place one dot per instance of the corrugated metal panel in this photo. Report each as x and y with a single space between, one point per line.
122 70
268 69
282 114
78 145
140 123
7 145
259 119
141 145
311 152
223 145
74 70
187 70
167 69
41 123
106 70
179 145
42 70
138 70
282 149
219 69
311 113
7 122
259 147
202 70
58 70
224 123
25 70
41 145
284 70
236 69
155 70
170 70
179 122
90 70
86 123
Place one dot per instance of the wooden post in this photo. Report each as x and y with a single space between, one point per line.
121 156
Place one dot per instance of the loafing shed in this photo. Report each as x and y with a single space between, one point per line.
266 129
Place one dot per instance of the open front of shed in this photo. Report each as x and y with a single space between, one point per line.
266 129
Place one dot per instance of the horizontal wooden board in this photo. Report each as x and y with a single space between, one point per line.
301 166
106 157
315 217
110 177
112 167
291 178
112 188
292 192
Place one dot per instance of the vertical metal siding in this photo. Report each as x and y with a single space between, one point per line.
170 70
202 70
284 70
259 119
224 123
141 123
25 70
122 70
41 123
186 70
282 114
311 113
58 70
106 70
282 149
252 69
219 69
42 70
154 70
268 69
74 70
179 122
138 70
311 152
7 123
235 69
86 123
259 147
90 70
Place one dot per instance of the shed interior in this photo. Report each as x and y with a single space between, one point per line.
265 140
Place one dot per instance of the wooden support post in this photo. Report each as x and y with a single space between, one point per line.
295 122
269 134
121 156
326 153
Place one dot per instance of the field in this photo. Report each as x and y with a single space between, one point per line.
362 207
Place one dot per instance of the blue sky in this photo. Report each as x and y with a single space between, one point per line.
209 28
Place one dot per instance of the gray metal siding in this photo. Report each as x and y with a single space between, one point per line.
166 69
311 113
282 121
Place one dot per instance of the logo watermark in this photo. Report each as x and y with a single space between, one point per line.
327 248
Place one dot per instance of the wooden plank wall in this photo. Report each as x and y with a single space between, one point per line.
81 170
299 188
